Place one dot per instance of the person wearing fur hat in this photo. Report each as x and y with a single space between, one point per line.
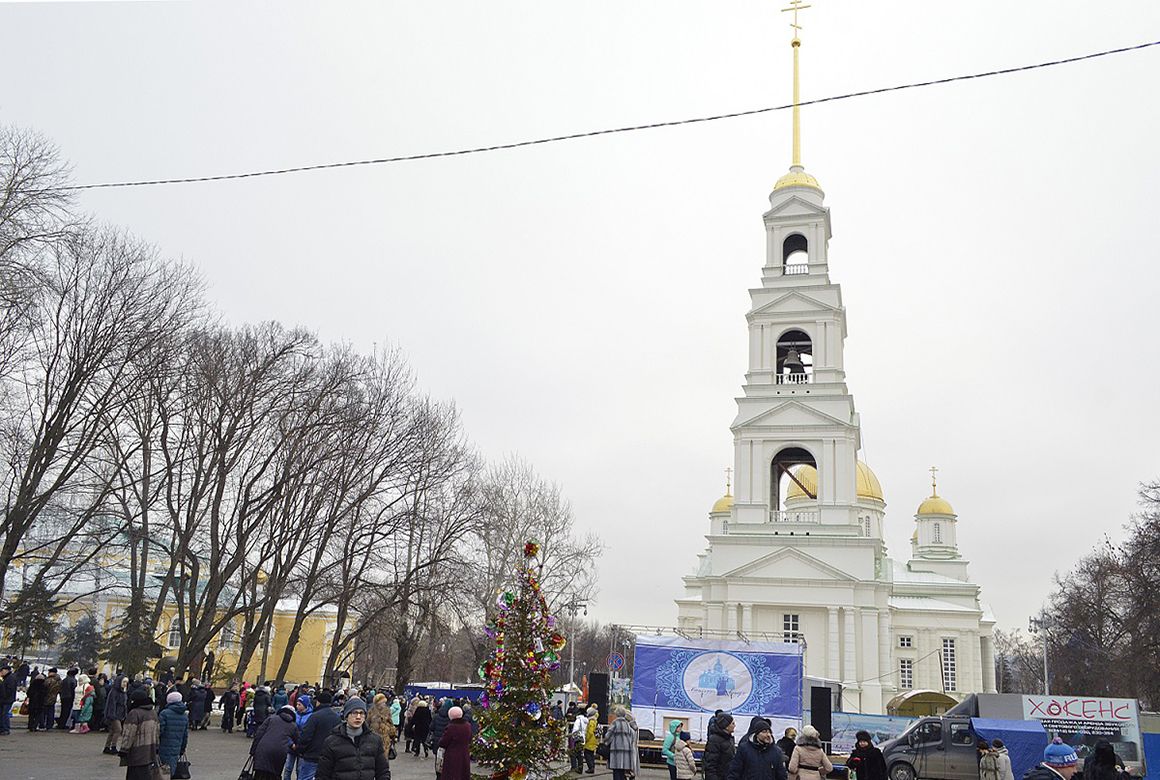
456 746
866 759
421 728
351 750
757 758
1059 760
272 743
809 761
174 729
379 720
140 738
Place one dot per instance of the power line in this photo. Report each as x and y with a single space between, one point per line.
607 131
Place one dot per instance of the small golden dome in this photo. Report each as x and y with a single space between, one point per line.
935 505
866 485
724 504
797 177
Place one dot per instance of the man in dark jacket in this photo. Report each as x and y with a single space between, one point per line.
1059 760
719 747
313 736
68 691
7 697
272 742
757 758
351 749
116 709
261 703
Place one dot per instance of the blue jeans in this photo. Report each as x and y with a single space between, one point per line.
306 769
288 772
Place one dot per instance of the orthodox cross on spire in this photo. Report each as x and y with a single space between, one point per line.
729 481
795 6
934 480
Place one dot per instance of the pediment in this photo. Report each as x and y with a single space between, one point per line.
793 302
790 563
791 413
795 206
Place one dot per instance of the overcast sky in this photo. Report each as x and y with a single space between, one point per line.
584 302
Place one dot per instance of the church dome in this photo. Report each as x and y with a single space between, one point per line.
724 504
797 177
866 484
935 505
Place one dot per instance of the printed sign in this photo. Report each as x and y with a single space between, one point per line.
692 678
615 662
1083 720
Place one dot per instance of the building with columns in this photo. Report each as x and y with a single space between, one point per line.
798 552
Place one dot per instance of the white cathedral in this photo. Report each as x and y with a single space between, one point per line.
799 552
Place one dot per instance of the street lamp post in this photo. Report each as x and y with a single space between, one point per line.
1035 626
572 607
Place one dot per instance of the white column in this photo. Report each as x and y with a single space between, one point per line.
746 618
987 652
870 661
849 649
832 646
731 617
886 665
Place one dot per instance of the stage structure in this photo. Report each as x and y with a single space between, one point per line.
679 678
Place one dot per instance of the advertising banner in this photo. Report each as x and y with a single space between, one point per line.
690 679
881 727
1082 720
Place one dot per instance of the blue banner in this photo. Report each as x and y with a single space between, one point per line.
696 675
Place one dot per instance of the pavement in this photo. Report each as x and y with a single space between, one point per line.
213 755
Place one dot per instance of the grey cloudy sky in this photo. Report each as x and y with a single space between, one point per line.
584 302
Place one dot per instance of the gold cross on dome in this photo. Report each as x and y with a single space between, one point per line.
728 480
934 480
795 6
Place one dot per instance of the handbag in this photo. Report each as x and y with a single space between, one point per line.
247 770
182 770
604 750
391 754
439 761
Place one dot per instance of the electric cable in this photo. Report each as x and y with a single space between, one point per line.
606 131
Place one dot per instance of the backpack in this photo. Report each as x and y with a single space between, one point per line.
989 766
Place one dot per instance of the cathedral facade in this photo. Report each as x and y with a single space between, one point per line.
798 553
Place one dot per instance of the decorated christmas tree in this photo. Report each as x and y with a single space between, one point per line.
517 734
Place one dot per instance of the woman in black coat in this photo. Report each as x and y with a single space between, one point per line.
271 744
867 760
421 726
719 747
37 696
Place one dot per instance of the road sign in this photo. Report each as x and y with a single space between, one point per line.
616 662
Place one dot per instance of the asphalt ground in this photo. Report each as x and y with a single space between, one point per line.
213 755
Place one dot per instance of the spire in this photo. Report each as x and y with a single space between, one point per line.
934 481
797 176
729 481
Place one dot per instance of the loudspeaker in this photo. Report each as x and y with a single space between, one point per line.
821 716
598 693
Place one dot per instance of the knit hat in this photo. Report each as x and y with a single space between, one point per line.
139 696
352 704
724 719
1059 754
173 697
455 713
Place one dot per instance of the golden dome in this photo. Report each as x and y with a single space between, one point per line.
797 177
724 504
867 485
935 505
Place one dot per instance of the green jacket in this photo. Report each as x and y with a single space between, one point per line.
670 740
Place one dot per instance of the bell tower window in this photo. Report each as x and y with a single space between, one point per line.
783 477
938 533
795 256
795 358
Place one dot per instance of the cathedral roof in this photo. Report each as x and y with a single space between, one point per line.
724 504
867 484
935 505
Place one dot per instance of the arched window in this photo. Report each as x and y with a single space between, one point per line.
795 256
784 476
174 637
794 358
938 533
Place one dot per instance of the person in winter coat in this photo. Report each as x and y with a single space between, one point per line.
379 720
757 758
787 743
439 722
37 695
272 743
313 736
280 698
196 704
408 724
866 759
719 747
261 704
1059 762
421 728
667 747
68 692
52 680
590 741
456 745
84 712
174 728
303 708
351 751
397 714
576 741
1005 770
622 745
1102 764
7 697
686 761
229 708
140 738
809 761
116 708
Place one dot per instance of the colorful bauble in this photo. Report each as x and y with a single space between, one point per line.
531 549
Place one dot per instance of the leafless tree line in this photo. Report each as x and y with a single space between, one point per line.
235 470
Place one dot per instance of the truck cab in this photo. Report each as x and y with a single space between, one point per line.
933 749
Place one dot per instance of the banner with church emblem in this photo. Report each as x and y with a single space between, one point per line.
690 679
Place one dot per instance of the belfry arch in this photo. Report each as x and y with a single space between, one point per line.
794 359
795 255
781 475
